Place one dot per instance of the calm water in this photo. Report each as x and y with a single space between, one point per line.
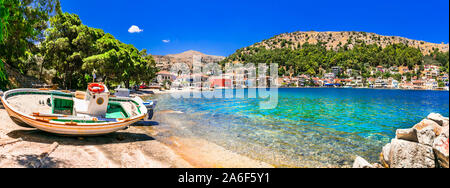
309 128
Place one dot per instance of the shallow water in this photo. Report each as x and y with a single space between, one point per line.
323 127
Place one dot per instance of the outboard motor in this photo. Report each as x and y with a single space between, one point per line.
150 105
122 92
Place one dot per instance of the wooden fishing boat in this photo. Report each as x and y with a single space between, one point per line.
93 112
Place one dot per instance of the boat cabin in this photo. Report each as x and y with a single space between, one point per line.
94 102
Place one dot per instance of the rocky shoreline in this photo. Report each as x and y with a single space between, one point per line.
425 145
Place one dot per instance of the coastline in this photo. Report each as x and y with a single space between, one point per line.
365 140
144 145
140 146
154 91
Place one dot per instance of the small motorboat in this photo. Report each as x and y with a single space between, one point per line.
93 112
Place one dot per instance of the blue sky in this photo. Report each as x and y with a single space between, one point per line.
221 27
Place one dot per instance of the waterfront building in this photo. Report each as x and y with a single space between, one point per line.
380 83
221 83
359 82
431 84
392 83
418 84
165 75
329 76
406 85
371 82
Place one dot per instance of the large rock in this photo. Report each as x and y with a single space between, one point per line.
440 148
428 123
439 119
426 136
406 134
361 163
427 131
377 165
406 154
384 156
445 131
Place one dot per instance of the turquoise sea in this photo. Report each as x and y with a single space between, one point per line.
310 127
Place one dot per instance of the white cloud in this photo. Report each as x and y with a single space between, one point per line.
166 41
135 29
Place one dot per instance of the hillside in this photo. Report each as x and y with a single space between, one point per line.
165 62
313 53
335 40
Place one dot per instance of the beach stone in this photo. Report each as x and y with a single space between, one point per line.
426 136
406 134
407 154
445 131
377 165
440 148
427 131
361 163
439 119
384 156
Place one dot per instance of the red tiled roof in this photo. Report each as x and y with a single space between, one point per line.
163 72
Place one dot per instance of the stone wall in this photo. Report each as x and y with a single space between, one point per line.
18 80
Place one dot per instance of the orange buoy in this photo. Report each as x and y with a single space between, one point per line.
96 88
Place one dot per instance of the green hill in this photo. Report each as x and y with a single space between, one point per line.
308 52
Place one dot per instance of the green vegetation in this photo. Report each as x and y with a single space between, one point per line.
3 76
24 23
36 36
438 58
311 58
4 15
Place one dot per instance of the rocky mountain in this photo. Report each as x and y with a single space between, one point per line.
335 40
165 62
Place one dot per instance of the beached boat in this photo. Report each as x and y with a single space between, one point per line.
93 112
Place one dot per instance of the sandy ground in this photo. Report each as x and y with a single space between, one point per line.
140 146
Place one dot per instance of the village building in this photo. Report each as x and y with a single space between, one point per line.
431 84
336 70
406 85
165 75
418 84
220 83
359 82
393 70
330 76
392 83
403 70
380 69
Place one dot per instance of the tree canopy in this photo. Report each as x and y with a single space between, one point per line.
76 51
23 26
310 58
34 31
22 23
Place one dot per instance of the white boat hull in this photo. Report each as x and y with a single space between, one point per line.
74 129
